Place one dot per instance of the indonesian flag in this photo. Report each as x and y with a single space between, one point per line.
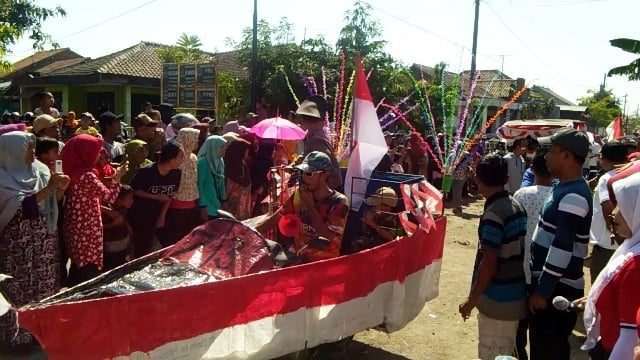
614 130
261 315
368 140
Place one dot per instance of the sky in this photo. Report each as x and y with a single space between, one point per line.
560 44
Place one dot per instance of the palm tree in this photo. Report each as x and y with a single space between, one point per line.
632 71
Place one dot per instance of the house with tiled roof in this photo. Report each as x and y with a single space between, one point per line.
41 62
121 82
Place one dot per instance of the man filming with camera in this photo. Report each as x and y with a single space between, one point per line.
315 215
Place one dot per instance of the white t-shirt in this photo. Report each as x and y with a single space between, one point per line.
532 199
599 234
516 167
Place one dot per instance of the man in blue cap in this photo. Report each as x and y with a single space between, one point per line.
321 210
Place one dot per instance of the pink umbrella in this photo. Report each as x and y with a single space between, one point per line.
279 129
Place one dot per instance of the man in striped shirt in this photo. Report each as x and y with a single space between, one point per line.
560 244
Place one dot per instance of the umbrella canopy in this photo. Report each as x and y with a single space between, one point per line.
279 129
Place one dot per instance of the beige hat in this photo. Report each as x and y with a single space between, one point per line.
383 196
310 109
44 122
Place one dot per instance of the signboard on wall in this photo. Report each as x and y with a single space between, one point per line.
189 86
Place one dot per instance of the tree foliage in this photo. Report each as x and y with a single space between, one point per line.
632 70
279 53
602 107
186 50
19 18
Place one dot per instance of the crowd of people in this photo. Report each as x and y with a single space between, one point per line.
81 197
539 220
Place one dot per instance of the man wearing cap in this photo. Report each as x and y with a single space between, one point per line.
321 210
379 223
311 119
234 126
111 128
560 245
47 126
146 129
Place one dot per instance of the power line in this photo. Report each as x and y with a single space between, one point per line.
527 47
115 17
431 32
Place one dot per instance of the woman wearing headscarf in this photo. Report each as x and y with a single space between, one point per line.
184 213
238 180
614 298
82 211
136 152
211 178
29 250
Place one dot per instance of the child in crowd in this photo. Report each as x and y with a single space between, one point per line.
117 232
498 268
47 151
380 223
87 123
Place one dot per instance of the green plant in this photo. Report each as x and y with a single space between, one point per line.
186 50
19 17
632 70
602 107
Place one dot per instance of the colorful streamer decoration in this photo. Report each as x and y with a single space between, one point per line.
293 93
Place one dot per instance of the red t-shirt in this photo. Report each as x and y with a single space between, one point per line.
619 302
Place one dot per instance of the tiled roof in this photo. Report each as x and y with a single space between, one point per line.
141 60
548 93
429 73
230 62
499 89
45 70
37 57
487 75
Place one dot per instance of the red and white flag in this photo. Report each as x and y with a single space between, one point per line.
368 140
614 130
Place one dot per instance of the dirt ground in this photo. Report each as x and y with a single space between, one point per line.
439 333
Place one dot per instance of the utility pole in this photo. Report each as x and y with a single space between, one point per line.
254 59
474 50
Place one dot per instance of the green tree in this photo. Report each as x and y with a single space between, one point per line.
186 50
632 70
21 17
361 33
231 95
602 107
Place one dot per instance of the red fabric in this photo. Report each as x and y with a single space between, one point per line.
83 220
619 302
633 156
120 325
618 131
361 90
224 249
103 168
290 225
79 155
638 321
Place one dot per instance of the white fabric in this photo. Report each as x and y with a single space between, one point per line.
623 349
391 304
369 150
532 198
516 168
628 195
599 233
495 337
